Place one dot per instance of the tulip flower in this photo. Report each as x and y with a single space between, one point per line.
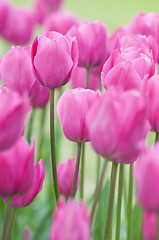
74 220
4 11
149 225
42 99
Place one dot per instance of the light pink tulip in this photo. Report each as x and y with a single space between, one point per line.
72 108
42 99
147 176
74 220
65 174
149 225
78 79
36 186
54 56
13 110
17 73
92 40
59 21
117 125
16 164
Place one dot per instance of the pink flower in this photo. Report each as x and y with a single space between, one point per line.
117 125
17 73
147 176
4 11
13 110
92 39
27 235
65 174
149 225
59 21
54 56
16 164
36 186
72 108
42 99
74 220
78 79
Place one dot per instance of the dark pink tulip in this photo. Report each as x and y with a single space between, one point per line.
147 176
78 79
4 11
36 186
16 164
42 99
65 174
17 72
152 90
92 40
74 220
19 26
13 110
117 125
72 108
54 56
59 21
149 225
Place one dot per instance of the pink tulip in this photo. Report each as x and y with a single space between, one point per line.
42 99
78 79
73 219
59 21
13 110
152 88
92 39
4 11
117 125
54 56
19 25
65 174
17 73
72 108
147 176
36 186
16 164
149 225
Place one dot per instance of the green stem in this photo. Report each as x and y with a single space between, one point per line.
157 227
7 217
53 153
9 234
98 167
97 192
157 137
30 127
87 77
73 190
108 228
129 204
119 201
82 171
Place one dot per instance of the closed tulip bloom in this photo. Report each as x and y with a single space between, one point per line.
59 21
78 79
14 110
35 187
74 220
65 174
16 164
54 56
117 125
72 108
92 40
149 225
147 176
17 73
42 99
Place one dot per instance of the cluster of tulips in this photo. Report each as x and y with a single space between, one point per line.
113 103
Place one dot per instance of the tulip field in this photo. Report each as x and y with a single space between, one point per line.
79 120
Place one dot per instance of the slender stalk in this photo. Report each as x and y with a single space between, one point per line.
7 217
119 201
82 171
108 228
157 227
30 127
87 77
73 190
53 153
97 192
129 203
98 167
9 234
157 137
